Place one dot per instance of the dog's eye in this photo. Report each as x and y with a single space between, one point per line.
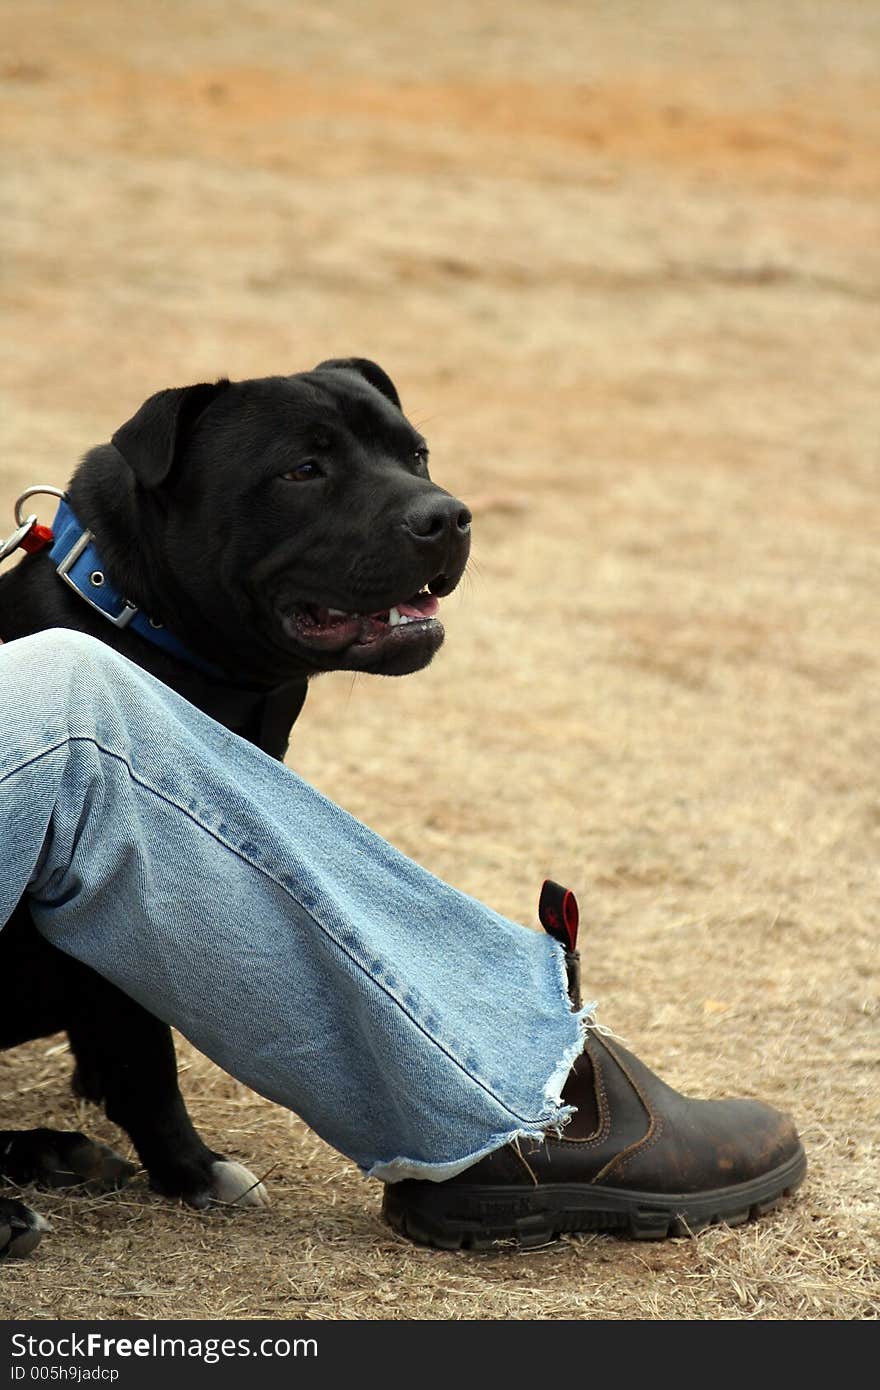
304 472
421 455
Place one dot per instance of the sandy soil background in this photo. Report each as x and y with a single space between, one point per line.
624 265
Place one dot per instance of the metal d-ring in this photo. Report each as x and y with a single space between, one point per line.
32 492
14 541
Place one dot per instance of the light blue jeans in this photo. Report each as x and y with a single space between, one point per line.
408 1024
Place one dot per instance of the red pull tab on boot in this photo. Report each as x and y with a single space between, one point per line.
558 913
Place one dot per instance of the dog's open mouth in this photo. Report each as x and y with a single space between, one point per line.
332 629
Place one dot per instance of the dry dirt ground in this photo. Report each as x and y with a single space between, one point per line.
624 265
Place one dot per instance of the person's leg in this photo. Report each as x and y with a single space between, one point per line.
410 1025
419 1032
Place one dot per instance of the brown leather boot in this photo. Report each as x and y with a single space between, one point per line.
638 1159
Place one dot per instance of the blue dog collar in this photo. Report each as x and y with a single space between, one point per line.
78 563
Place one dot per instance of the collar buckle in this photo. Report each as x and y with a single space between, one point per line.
126 612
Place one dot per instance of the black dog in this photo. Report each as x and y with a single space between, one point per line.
238 538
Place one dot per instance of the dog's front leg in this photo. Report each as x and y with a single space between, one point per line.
125 1059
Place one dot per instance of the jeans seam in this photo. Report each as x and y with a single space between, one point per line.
259 868
35 758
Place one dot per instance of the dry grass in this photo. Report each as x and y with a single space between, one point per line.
625 269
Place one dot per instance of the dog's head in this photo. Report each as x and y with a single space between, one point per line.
287 523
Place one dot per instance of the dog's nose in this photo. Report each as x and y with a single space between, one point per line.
437 518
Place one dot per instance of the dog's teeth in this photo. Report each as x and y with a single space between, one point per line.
336 612
394 617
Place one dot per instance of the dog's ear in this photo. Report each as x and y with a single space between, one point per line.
152 440
370 371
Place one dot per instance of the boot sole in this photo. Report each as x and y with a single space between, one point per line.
480 1217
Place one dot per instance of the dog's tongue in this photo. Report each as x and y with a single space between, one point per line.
422 606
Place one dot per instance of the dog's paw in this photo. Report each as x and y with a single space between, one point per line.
208 1180
21 1229
63 1158
233 1184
